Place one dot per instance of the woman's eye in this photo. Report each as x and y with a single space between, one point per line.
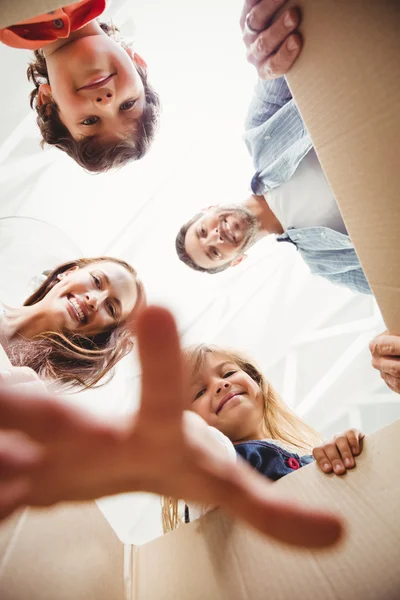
97 281
200 393
228 374
203 232
111 310
127 105
90 121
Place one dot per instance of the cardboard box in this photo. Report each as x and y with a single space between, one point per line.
218 559
347 86
68 552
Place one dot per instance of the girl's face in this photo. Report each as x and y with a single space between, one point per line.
90 299
228 398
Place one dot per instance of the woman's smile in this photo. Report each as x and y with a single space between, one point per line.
77 309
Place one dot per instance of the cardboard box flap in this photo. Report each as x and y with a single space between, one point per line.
61 553
223 560
347 86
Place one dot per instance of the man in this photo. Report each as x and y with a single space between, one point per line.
273 45
66 454
291 198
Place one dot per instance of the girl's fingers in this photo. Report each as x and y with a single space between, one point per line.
354 437
322 460
333 455
345 446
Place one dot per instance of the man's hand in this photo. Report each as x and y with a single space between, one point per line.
385 351
162 450
338 454
276 47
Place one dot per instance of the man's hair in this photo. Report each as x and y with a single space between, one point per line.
89 153
184 256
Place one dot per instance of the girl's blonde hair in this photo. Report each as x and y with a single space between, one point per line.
280 422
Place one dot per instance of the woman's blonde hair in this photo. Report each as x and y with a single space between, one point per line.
71 359
280 422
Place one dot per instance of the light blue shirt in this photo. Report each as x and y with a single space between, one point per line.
278 140
275 135
329 254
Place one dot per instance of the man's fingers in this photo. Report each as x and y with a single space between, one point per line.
281 62
247 6
385 345
161 361
392 382
390 366
261 15
269 41
248 496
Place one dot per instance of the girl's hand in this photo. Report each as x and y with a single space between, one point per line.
338 454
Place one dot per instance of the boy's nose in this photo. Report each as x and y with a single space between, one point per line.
104 97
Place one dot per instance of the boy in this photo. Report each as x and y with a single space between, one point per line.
91 94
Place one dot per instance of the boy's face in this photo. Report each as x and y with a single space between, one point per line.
97 88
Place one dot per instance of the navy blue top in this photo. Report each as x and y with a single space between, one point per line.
270 460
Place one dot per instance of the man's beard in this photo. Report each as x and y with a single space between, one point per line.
246 216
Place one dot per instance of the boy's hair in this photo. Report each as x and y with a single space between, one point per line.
184 256
280 422
88 152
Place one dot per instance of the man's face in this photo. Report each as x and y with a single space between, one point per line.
220 236
97 88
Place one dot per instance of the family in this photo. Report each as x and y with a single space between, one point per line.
211 430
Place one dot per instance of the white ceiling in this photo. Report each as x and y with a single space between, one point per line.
310 336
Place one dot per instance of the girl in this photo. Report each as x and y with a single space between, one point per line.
248 417
73 327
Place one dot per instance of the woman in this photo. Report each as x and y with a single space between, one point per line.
73 327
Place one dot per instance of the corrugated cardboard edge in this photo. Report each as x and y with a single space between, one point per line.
220 559
347 86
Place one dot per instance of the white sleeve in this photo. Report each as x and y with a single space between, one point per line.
198 510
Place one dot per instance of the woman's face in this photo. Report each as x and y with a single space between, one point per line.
91 299
228 398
